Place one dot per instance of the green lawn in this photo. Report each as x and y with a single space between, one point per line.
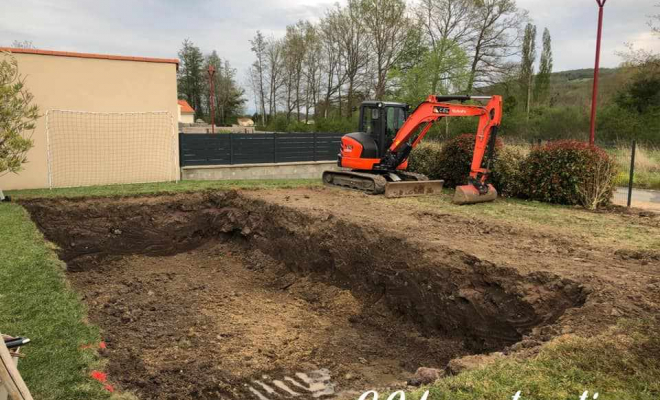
36 302
623 363
595 227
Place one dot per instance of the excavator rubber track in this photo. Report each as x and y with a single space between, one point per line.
411 184
370 183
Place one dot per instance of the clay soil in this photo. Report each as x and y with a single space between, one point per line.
212 295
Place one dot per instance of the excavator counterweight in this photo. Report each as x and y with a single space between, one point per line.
375 159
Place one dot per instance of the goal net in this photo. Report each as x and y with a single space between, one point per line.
93 148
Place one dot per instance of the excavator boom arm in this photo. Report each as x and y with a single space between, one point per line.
437 107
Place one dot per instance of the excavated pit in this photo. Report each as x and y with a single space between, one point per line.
216 295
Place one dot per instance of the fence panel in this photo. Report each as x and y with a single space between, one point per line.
204 149
238 148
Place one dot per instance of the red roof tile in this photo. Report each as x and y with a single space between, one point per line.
90 55
185 107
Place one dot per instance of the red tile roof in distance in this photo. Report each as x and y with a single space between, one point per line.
90 55
185 107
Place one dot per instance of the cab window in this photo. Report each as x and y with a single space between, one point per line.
370 120
396 116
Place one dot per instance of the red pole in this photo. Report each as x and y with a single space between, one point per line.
212 96
594 99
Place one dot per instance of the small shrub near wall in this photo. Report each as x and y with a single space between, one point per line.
568 172
507 170
457 156
449 161
426 159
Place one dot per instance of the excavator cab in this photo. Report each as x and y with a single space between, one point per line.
381 121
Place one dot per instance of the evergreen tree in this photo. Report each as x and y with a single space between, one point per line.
527 64
190 78
542 87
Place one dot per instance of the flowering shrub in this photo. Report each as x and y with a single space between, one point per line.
568 172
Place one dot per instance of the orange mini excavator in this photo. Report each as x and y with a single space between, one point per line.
377 156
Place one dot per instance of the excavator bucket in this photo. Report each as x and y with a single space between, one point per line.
468 194
413 188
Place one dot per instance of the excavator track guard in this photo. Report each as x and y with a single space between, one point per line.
370 183
408 184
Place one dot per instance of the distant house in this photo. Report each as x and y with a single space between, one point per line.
186 113
245 122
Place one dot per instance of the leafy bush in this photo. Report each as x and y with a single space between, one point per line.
451 160
17 116
338 125
620 124
426 159
558 123
456 157
507 175
568 172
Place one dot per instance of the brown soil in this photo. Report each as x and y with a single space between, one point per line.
204 323
200 295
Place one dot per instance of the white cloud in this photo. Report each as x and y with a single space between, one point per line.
157 27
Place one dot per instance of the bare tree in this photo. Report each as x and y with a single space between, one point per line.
312 68
353 54
496 38
330 42
259 67
275 60
446 24
294 55
654 20
23 44
387 27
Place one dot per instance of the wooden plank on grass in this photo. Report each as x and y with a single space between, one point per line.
10 379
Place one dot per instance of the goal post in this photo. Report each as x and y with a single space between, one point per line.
98 148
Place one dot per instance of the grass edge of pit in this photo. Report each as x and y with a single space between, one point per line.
38 302
621 363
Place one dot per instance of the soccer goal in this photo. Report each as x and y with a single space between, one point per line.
94 148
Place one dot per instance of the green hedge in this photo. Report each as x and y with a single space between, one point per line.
568 172
449 161
562 172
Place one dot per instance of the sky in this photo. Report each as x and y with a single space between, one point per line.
156 28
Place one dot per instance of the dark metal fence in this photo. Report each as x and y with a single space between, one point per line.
239 148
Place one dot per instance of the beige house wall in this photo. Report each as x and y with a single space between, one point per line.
187 118
89 84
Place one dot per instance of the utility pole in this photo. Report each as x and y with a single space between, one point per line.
594 99
211 72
